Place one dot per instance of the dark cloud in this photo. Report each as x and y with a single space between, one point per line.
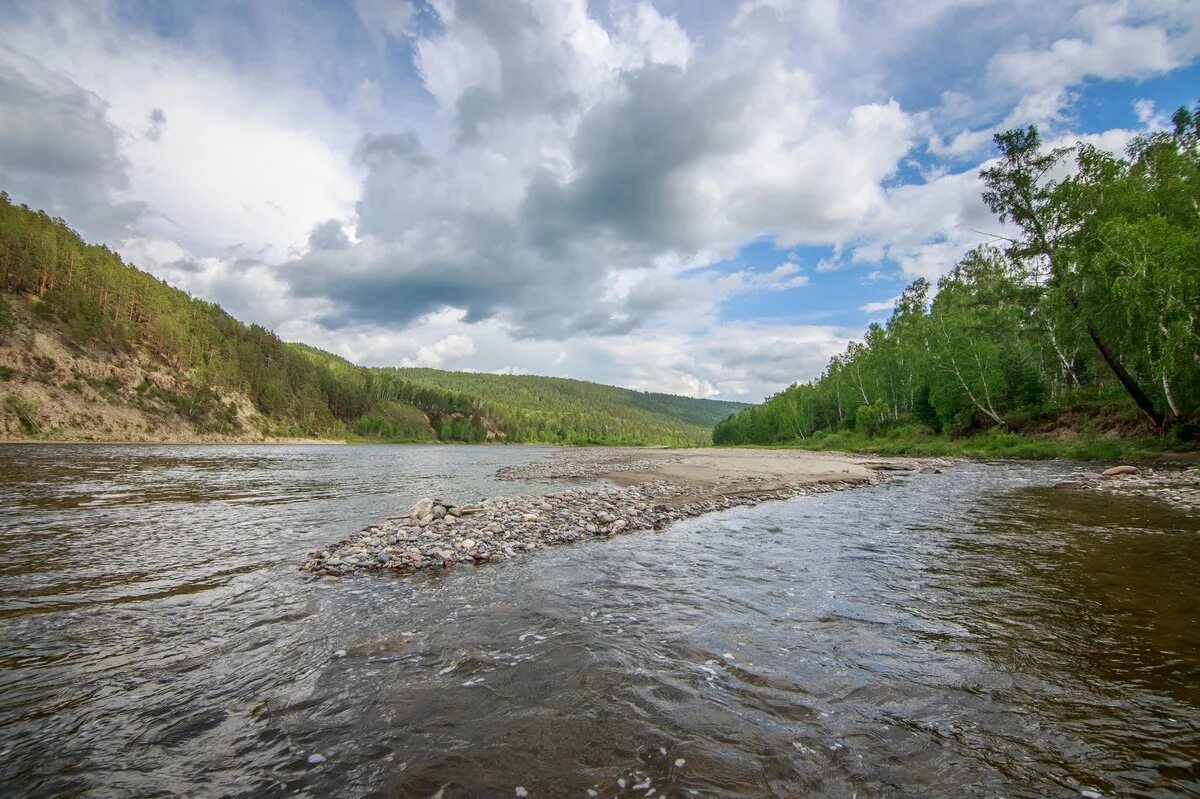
188 265
328 235
377 150
474 262
59 152
157 119
632 159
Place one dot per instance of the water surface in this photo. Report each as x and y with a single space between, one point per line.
964 634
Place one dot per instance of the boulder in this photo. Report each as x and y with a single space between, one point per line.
439 511
1070 485
423 507
1117 471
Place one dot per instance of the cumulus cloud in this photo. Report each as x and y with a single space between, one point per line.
60 151
926 227
244 159
1113 40
579 153
548 185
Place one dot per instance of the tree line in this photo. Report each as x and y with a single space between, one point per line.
1091 304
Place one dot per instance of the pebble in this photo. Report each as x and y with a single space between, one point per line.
521 791
316 759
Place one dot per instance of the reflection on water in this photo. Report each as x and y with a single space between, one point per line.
946 635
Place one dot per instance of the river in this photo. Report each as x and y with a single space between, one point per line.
971 633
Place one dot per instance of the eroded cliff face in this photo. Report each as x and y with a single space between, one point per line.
51 389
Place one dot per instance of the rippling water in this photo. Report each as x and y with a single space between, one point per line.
963 634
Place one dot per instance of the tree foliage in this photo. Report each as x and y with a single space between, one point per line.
1096 296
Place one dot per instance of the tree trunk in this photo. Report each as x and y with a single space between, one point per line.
1170 397
1066 364
1131 386
1114 363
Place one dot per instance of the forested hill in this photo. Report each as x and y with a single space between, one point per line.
1087 324
522 393
94 348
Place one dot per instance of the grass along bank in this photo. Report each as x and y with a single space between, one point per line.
914 441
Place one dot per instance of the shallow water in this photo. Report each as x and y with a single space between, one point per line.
964 634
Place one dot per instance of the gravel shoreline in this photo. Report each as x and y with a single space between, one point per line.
1177 487
438 533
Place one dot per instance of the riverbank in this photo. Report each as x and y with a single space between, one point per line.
904 442
649 490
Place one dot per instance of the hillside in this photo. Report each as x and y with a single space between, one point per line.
558 394
92 348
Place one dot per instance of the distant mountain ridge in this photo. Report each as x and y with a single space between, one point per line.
92 348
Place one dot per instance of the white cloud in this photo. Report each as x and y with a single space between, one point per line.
876 307
553 189
386 17
450 348
1114 40
236 160
581 155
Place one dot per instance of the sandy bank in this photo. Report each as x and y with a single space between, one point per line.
715 470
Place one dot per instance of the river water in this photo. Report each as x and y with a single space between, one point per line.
964 634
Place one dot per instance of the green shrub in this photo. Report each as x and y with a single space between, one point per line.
26 412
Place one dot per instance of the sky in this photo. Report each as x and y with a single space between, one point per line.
690 196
